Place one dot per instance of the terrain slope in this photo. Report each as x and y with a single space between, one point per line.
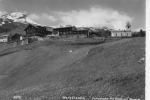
53 69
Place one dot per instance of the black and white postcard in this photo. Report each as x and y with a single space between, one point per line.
72 49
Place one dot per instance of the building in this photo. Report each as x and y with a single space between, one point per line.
82 33
71 31
122 33
64 30
17 35
49 30
33 30
4 38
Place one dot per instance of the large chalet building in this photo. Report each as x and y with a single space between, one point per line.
71 31
64 30
33 30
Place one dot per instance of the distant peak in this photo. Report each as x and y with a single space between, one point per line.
17 17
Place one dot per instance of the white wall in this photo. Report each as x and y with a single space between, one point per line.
121 34
4 39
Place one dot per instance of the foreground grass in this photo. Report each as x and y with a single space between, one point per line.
108 70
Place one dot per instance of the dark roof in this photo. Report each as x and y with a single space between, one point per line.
128 24
29 25
49 28
15 31
38 27
4 35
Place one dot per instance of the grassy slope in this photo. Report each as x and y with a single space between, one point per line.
110 69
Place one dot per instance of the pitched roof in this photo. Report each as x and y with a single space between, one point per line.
30 25
49 28
39 27
128 24
17 31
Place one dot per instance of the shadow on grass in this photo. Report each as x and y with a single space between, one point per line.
87 43
7 53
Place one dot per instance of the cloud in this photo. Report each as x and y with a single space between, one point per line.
31 21
96 17
2 0
43 16
2 13
33 17
48 17
52 18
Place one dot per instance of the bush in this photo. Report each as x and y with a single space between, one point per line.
139 34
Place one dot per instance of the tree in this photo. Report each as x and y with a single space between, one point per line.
106 33
142 33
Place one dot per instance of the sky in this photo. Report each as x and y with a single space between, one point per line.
94 13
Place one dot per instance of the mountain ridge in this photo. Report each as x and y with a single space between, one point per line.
9 22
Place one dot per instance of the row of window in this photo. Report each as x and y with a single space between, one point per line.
67 32
64 29
122 34
74 32
36 30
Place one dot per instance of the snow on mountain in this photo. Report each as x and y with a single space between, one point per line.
17 17
31 21
9 22
15 20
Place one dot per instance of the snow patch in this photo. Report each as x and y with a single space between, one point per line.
17 97
3 23
142 60
70 51
17 17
